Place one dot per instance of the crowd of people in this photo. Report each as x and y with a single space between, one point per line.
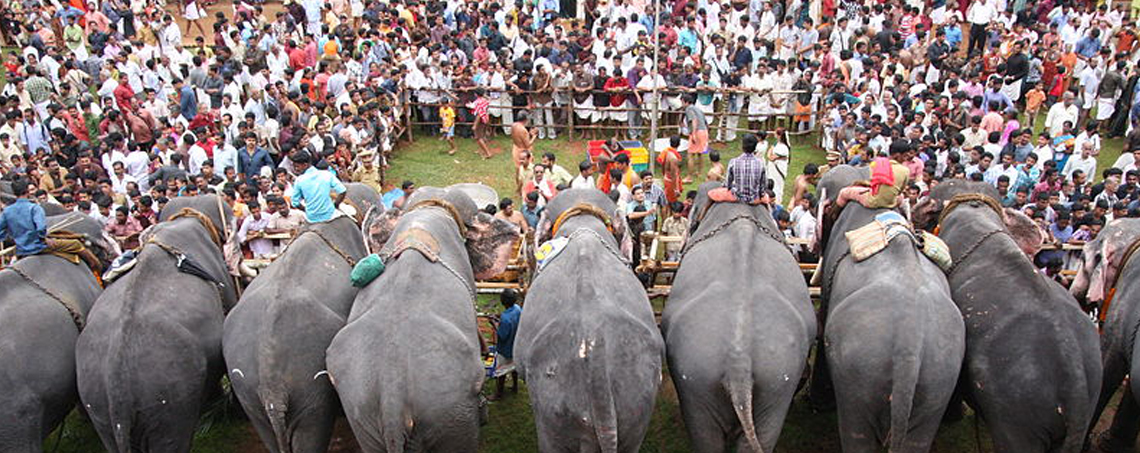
112 109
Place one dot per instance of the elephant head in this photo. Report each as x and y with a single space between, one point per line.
105 248
488 240
219 212
576 199
1025 232
1102 260
827 191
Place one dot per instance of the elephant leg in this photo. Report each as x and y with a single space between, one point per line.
1009 437
1115 367
1121 435
822 392
858 418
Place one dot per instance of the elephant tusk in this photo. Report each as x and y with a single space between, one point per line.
321 373
238 373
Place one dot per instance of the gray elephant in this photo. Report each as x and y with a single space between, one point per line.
1032 368
587 341
407 364
274 340
151 354
44 301
1110 271
736 366
893 338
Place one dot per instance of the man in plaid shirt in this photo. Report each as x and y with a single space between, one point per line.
745 175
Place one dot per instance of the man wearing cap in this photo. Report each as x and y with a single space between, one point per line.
312 191
368 173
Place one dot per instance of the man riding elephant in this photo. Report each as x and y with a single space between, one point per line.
26 224
745 180
888 179
407 363
311 191
587 342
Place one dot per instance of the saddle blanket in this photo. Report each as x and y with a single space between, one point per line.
873 237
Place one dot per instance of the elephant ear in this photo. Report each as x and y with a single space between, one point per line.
378 227
490 242
1024 231
622 233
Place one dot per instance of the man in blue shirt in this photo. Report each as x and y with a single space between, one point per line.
505 340
187 100
531 211
1088 46
25 223
252 158
312 190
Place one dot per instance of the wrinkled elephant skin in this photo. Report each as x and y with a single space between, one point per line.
407 366
587 341
274 341
37 338
151 355
738 327
1032 370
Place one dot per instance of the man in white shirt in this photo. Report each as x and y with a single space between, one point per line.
1085 162
197 155
585 179
980 14
1060 113
137 165
120 179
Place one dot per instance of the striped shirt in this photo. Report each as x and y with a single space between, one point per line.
481 108
745 177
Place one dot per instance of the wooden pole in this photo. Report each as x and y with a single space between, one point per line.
656 96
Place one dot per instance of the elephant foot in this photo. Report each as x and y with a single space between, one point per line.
1106 443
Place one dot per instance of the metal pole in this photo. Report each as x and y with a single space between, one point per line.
656 96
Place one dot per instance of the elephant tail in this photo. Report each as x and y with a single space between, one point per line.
603 410
276 407
904 383
739 383
394 417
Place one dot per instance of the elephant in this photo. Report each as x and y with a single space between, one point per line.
151 354
1110 271
1031 370
274 340
587 343
407 364
893 339
736 367
44 301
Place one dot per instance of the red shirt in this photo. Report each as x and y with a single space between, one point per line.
617 99
124 96
297 59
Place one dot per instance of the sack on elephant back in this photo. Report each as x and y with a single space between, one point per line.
367 270
873 237
936 250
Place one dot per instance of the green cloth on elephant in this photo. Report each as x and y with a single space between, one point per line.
367 270
886 195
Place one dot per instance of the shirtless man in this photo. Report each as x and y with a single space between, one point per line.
716 168
670 161
522 139
804 181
